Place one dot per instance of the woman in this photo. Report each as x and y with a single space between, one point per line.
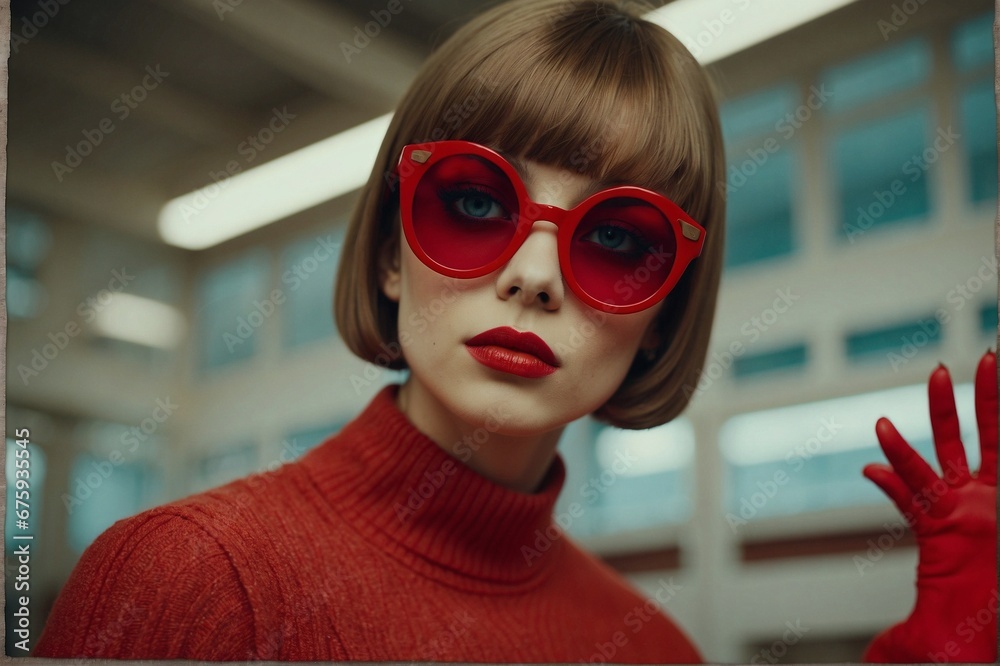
541 239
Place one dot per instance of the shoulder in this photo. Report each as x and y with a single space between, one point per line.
170 582
642 616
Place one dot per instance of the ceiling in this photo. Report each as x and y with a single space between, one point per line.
212 74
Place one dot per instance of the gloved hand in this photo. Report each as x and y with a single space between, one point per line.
954 521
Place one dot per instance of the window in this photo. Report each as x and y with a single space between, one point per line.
308 270
972 44
102 492
761 159
880 172
792 357
977 114
903 339
634 479
879 75
28 242
988 319
234 302
809 457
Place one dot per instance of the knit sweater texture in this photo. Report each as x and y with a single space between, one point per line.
377 545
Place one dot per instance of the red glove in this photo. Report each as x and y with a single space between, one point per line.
954 520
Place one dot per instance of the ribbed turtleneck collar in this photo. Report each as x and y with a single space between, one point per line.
428 509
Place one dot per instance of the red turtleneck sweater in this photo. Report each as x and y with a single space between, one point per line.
376 546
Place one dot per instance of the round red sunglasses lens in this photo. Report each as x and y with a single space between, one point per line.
464 212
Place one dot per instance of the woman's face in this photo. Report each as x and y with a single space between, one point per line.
439 316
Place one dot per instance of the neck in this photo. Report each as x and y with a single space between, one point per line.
513 461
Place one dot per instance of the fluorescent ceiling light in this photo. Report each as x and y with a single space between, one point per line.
711 29
840 424
275 190
714 29
142 321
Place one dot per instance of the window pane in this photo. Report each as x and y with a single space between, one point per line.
979 136
638 479
26 297
786 358
880 169
228 312
884 73
104 493
758 113
809 457
308 270
988 319
759 209
28 239
904 340
972 45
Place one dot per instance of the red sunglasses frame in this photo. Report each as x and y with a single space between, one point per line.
416 159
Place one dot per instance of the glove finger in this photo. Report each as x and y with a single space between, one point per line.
895 488
986 416
944 424
927 488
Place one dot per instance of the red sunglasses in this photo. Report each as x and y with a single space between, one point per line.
465 213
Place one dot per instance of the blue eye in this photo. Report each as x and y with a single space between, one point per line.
616 239
479 205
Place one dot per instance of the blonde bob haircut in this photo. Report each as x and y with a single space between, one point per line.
588 86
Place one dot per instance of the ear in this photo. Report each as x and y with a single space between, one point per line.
389 278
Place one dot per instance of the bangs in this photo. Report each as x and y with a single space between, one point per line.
607 99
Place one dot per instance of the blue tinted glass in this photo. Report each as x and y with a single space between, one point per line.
759 207
104 493
32 475
28 239
233 304
979 136
26 297
757 113
988 319
901 339
972 44
786 358
880 169
869 78
301 441
308 269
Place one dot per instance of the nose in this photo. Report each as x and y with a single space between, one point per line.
532 275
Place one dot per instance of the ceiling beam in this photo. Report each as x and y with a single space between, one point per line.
103 79
306 39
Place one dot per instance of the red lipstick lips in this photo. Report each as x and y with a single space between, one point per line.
508 350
